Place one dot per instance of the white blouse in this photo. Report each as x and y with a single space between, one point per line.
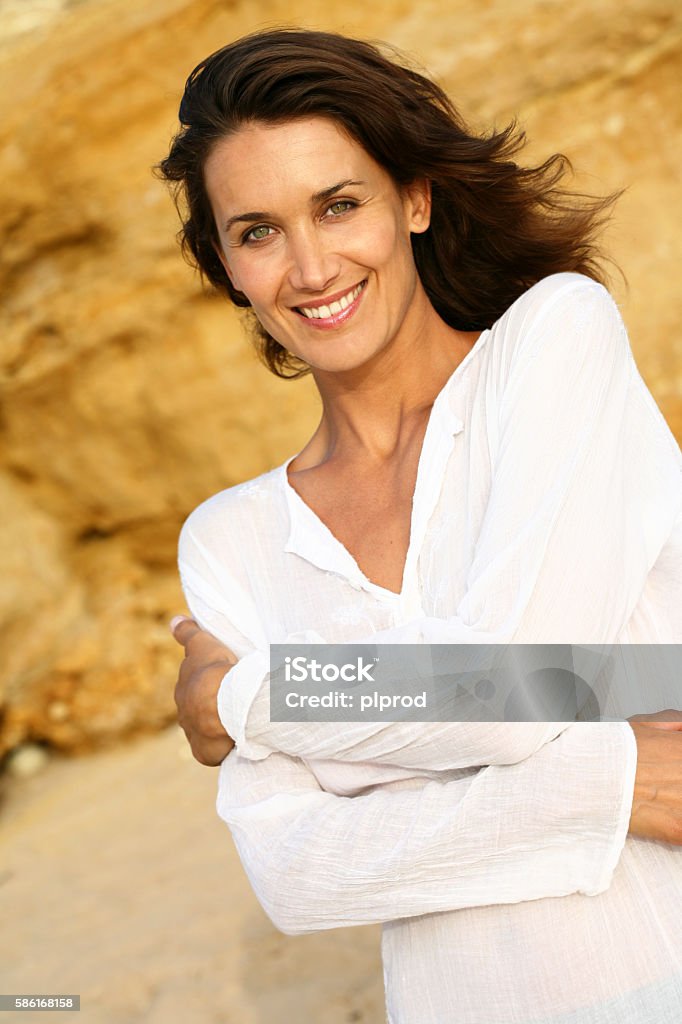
548 509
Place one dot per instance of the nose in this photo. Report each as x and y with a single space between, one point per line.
313 266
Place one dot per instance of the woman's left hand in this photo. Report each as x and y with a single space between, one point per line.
196 693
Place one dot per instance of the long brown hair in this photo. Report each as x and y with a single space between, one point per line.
496 228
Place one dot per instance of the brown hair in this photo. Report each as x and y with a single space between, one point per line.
496 228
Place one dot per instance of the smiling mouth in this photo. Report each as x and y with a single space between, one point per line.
335 311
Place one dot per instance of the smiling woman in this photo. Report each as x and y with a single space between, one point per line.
318 259
489 467
500 226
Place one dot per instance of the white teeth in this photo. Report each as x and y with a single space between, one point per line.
324 312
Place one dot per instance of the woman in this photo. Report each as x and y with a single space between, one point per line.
489 467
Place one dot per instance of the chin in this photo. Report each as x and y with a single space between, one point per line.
339 362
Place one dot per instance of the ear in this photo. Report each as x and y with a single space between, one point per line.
418 205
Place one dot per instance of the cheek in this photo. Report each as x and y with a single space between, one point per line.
384 242
256 278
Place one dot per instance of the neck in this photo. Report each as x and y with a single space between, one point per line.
371 411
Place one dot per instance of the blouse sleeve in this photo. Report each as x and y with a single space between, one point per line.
506 834
586 488
435 746
550 825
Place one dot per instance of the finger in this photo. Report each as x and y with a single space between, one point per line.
183 629
671 726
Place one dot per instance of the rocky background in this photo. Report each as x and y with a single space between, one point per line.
128 395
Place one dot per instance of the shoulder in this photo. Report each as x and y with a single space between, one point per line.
570 301
564 316
554 295
235 518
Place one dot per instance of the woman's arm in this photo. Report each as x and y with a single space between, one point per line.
433 746
657 803
209 664
550 826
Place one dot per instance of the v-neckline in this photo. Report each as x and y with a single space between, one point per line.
343 562
302 540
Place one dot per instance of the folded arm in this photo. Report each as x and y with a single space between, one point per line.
550 826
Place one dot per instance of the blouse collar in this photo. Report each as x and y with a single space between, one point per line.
311 539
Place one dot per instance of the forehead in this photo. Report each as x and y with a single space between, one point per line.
261 163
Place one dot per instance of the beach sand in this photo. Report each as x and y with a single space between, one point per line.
119 882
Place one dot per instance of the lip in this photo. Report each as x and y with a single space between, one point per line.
327 323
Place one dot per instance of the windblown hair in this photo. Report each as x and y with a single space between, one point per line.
496 228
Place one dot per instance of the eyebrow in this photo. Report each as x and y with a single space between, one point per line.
315 200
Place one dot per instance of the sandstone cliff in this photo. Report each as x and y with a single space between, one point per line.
128 396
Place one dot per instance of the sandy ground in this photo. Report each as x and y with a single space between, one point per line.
119 882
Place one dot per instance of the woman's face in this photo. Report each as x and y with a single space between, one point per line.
317 236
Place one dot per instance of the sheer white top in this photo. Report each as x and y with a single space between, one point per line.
547 508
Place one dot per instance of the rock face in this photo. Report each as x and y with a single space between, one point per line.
128 396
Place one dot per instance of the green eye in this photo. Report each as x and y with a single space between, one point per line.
258 233
342 206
